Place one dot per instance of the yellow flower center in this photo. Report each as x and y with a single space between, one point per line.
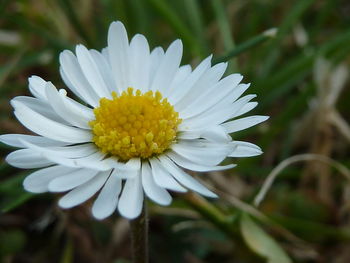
134 125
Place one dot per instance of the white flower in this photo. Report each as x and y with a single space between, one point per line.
141 119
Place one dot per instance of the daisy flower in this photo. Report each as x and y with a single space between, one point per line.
139 122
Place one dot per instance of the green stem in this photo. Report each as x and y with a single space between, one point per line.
212 213
139 237
268 34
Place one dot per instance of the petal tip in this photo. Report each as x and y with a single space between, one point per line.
63 204
210 194
99 215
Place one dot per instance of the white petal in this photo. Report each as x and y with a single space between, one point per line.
182 73
107 200
118 50
187 164
216 115
163 178
93 161
79 108
216 134
140 63
212 96
104 69
125 173
133 164
157 55
27 159
64 110
131 201
37 87
152 190
124 170
84 191
237 106
71 151
15 140
38 106
231 101
189 135
181 91
71 87
168 67
244 123
238 91
246 108
71 180
206 82
75 79
74 151
207 154
38 181
246 144
91 72
105 54
49 128
185 179
244 149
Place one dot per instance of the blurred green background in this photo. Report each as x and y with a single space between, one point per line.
300 75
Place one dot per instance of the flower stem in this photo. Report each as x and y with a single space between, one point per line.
139 237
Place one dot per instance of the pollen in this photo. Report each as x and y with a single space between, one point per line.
134 124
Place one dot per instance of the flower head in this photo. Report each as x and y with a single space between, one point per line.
139 120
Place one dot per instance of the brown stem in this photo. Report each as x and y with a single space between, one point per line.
139 237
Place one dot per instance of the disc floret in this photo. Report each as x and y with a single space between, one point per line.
134 124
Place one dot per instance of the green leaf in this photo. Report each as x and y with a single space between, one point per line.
261 243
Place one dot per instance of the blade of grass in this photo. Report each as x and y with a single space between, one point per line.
24 61
293 16
313 231
196 21
68 252
3 6
113 10
72 16
29 26
295 71
13 183
245 46
17 201
141 17
12 192
11 65
4 168
164 10
225 29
